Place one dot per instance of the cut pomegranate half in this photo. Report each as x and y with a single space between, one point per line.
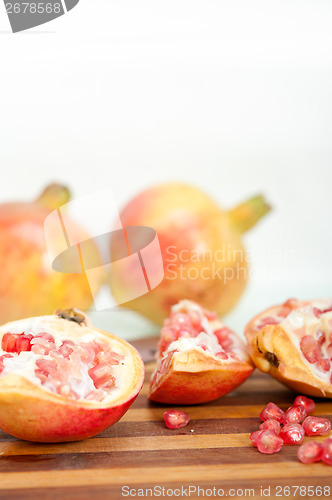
293 343
64 380
200 359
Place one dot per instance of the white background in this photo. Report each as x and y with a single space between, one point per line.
234 97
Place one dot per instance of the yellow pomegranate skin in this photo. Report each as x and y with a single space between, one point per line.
204 259
28 411
29 286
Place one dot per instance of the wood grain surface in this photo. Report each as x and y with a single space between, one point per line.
139 452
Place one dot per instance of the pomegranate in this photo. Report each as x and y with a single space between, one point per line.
64 380
316 426
268 442
204 259
310 452
29 286
271 410
292 433
200 359
271 425
293 342
174 419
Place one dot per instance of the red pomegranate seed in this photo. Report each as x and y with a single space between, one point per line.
321 338
310 349
9 341
325 365
308 403
66 348
327 451
271 425
269 320
292 433
101 375
47 366
295 415
1 360
254 437
271 410
316 426
174 419
310 452
269 442
23 343
46 336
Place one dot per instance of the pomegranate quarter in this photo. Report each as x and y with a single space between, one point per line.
61 379
293 343
200 359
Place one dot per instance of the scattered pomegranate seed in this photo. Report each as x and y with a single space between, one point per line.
295 415
308 403
316 426
271 410
310 349
292 433
254 436
174 419
271 425
327 451
310 452
268 442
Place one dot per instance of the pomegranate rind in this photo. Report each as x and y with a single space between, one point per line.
273 352
194 377
31 412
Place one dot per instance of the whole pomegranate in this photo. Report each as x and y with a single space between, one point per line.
61 379
204 259
29 286
293 343
200 359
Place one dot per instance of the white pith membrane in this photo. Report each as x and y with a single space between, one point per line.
196 329
308 319
72 371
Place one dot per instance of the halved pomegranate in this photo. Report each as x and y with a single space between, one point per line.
293 342
200 359
64 380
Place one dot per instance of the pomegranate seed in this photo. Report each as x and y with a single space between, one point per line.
271 410
321 338
308 403
292 433
268 442
46 336
66 348
1 360
310 349
47 366
325 365
316 426
254 437
267 321
23 343
101 375
327 451
271 425
295 414
222 355
9 341
310 452
174 419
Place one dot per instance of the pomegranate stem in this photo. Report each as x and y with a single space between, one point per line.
54 196
247 214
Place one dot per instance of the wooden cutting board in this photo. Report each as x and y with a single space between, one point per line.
139 452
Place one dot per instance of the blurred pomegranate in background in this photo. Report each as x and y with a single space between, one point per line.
28 284
204 259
